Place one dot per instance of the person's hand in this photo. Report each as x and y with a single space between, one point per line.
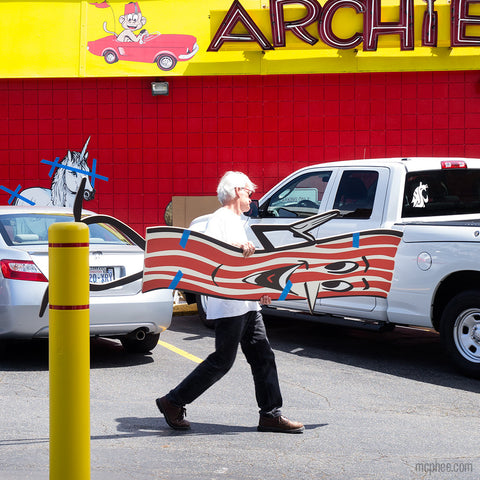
265 300
248 249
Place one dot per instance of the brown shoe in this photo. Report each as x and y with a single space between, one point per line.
173 415
279 424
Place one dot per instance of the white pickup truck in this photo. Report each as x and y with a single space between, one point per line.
434 202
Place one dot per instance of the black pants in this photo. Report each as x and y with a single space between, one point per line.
249 331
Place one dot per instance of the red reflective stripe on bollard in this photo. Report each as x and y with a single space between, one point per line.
60 245
69 307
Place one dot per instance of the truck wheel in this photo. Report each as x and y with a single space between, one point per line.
460 331
201 307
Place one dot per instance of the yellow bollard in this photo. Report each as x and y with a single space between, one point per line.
69 351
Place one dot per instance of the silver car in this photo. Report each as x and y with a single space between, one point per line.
122 312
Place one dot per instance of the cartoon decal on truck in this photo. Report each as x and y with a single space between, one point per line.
163 49
420 196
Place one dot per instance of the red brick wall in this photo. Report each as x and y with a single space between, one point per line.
151 148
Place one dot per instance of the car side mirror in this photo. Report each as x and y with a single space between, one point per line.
253 212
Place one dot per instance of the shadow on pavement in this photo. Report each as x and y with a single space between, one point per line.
32 355
404 352
149 426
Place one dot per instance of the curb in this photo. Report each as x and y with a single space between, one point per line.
185 309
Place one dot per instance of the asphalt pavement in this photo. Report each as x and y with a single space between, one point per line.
375 406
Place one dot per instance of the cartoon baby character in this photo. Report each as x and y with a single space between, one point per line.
131 21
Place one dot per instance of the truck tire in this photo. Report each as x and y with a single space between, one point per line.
201 312
460 331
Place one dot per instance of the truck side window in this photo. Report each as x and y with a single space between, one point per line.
356 193
301 197
441 192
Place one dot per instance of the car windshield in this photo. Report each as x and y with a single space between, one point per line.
443 192
32 229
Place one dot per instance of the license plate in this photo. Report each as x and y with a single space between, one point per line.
101 274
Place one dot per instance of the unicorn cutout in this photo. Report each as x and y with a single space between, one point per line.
65 183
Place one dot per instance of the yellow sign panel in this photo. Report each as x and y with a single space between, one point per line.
158 38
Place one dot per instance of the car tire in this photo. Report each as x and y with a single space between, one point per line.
166 62
460 332
132 344
110 56
200 299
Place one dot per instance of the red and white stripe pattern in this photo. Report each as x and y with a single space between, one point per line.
345 265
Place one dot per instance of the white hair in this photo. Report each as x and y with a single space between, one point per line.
228 183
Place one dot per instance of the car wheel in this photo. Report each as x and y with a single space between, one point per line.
110 56
166 62
202 307
137 342
460 331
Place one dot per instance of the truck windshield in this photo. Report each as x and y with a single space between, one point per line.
441 192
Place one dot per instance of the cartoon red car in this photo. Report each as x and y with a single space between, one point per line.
163 49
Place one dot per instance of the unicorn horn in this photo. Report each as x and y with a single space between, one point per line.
84 148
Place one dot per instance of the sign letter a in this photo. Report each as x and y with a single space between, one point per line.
237 14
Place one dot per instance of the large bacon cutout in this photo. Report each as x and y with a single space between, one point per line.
354 264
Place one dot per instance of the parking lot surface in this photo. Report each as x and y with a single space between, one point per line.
375 406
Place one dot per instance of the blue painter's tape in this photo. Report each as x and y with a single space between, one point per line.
92 173
15 194
184 239
286 290
176 279
356 240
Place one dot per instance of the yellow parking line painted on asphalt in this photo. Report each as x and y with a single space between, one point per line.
183 353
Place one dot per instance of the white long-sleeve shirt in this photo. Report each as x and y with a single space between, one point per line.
228 227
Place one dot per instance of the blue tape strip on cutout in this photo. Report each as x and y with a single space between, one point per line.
356 240
176 279
184 239
286 290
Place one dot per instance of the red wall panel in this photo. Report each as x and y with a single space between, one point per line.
151 148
